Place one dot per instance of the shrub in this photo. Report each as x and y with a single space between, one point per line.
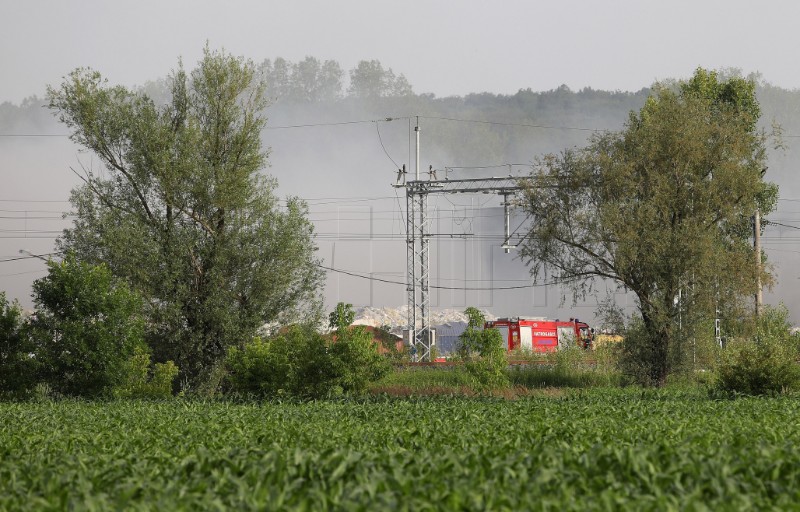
18 367
342 316
757 367
483 353
764 364
303 363
141 379
260 368
294 362
355 360
86 328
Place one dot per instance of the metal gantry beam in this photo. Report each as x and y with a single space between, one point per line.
492 185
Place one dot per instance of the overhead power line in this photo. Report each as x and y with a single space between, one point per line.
32 201
60 135
458 288
519 125
23 273
334 123
30 256
380 139
277 127
381 120
773 223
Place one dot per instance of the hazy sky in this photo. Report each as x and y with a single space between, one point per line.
443 47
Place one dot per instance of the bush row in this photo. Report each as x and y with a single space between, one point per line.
299 361
86 338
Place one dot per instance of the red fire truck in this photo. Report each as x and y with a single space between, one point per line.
542 335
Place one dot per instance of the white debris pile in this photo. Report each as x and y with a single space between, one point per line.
397 318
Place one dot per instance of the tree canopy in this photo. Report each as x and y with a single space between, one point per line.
181 210
369 80
660 207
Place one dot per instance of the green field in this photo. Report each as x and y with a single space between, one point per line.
604 449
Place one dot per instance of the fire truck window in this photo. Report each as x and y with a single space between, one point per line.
504 333
526 335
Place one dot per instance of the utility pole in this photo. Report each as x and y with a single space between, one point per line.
507 223
757 250
423 339
417 258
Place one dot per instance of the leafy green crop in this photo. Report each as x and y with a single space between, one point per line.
596 450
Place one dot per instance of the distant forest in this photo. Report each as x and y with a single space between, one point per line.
480 127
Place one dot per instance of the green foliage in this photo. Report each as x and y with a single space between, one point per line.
10 321
758 367
369 80
475 317
306 81
640 357
18 369
415 381
389 342
161 382
303 363
87 327
734 93
590 450
763 364
342 316
142 379
295 362
183 211
567 368
660 208
252 368
355 360
483 354
696 351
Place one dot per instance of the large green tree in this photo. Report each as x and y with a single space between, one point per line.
180 209
659 208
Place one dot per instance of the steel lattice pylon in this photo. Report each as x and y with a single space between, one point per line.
418 245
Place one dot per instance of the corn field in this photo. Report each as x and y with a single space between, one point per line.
599 449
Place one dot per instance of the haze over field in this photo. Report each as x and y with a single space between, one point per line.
444 49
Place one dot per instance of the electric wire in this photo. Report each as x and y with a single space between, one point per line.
32 256
436 287
498 166
24 273
385 119
520 125
380 139
772 222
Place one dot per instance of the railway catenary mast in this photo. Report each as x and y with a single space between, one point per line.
418 238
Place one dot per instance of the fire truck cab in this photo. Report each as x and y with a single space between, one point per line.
537 334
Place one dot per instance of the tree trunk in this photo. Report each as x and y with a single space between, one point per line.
658 339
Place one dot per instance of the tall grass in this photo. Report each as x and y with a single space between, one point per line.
408 380
570 368
573 368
